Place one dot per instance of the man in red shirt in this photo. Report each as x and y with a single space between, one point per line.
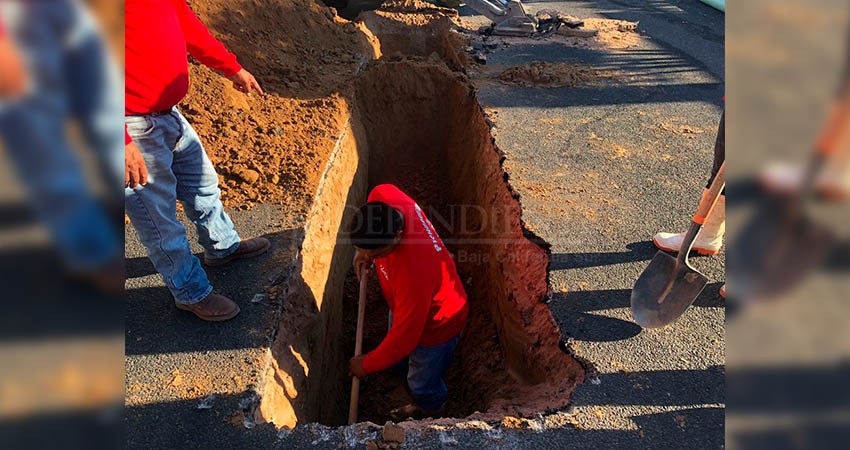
427 301
164 159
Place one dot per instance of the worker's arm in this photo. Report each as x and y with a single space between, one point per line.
202 45
409 317
13 75
211 52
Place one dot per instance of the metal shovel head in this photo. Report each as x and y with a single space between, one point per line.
664 291
775 252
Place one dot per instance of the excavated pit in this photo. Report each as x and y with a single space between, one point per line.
415 122
427 134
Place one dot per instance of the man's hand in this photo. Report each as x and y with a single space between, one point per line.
135 169
13 74
362 263
355 367
244 82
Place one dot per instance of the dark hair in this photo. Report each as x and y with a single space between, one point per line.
375 225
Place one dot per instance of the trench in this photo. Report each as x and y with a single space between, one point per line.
426 134
416 123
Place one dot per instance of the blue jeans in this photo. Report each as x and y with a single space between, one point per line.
70 77
426 367
178 169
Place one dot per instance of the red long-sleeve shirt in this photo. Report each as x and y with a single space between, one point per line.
157 36
420 284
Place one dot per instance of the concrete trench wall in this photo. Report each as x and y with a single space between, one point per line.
417 123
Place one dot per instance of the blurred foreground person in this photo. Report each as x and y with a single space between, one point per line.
709 241
832 181
427 301
12 72
165 161
55 68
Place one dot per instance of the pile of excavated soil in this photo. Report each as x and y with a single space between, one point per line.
273 149
539 73
613 33
413 28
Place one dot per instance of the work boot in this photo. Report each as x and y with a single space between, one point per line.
213 308
248 248
710 237
833 183
412 411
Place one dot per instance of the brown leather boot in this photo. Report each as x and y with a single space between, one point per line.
213 308
248 248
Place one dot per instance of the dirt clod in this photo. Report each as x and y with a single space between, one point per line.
247 175
393 433
518 423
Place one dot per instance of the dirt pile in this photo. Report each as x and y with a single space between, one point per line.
613 33
413 28
304 57
539 73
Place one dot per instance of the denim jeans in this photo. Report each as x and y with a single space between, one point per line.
425 369
178 170
70 76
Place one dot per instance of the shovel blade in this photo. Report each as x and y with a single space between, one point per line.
664 291
775 252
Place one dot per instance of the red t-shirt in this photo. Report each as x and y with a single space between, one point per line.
157 36
420 284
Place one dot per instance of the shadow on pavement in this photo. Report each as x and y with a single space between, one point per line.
571 310
155 326
657 387
638 251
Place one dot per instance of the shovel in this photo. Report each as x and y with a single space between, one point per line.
358 347
780 245
669 285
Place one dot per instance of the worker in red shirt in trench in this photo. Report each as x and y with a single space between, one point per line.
427 301
164 159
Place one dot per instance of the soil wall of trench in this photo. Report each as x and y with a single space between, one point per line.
413 120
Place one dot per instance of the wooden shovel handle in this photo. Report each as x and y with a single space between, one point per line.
708 201
358 347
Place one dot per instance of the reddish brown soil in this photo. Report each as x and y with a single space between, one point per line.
438 149
539 73
304 57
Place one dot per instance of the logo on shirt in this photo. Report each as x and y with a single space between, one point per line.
384 271
427 228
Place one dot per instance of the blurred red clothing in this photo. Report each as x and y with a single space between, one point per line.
157 36
420 284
